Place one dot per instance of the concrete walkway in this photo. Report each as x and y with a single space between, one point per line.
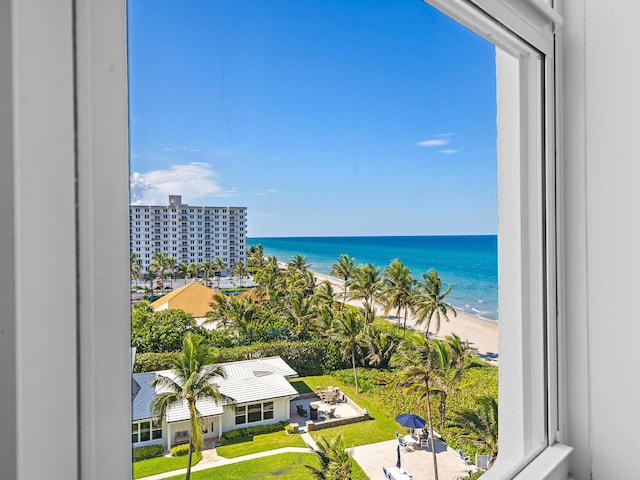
210 460
371 459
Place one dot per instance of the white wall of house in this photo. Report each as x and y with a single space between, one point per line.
280 414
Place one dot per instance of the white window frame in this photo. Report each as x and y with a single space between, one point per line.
72 129
531 403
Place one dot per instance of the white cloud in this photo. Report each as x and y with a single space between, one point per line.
267 191
435 142
193 181
448 151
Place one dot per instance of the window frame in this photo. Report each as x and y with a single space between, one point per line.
531 401
86 51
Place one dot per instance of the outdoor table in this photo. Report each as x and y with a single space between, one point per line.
412 439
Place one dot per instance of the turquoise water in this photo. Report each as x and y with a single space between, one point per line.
468 263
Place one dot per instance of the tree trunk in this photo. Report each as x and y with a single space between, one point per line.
355 374
190 456
433 440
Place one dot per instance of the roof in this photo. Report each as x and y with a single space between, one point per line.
193 298
246 381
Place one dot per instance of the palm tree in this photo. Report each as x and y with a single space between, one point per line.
135 266
206 270
428 300
416 365
170 265
334 459
349 332
480 425
397 287
298 264
365 282
239 271
191 380
300 310
234 314
343 268
220 268
192 271
255 258
158 264
182 271
451 363
325 295
381 347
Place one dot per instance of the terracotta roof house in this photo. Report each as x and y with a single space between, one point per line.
260 393
193 298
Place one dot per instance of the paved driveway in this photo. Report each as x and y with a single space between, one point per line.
419 463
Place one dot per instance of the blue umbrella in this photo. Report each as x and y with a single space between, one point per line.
410 420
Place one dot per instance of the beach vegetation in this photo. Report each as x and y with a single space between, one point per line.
343 269
349 332
365 283
479 425
397 289
428 302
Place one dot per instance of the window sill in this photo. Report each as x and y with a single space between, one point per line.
550 464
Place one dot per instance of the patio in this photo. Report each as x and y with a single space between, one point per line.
419 463
327 412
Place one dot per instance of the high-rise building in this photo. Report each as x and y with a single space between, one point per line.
188 233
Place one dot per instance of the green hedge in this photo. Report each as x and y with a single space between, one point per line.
308 358
255 430
180 450
144 453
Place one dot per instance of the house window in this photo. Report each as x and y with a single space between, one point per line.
267 410
241 414
145 431
254 412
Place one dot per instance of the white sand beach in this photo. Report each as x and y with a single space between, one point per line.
482 335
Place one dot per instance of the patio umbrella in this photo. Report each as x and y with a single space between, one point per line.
410 420
398 460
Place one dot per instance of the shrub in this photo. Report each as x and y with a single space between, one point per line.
255 430
179 450
151 362
144 453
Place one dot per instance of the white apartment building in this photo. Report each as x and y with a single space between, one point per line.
188 233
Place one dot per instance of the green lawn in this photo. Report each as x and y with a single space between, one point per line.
258 443
285 466
152 466
379 429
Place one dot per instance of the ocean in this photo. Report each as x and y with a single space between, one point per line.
468 263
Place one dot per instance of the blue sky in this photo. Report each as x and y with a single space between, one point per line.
322 118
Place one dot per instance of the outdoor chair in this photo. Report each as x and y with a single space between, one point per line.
301 411
464 457
482 461
331 413
404 446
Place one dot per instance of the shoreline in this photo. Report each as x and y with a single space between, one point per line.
481 334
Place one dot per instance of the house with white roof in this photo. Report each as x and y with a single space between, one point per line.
257 392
